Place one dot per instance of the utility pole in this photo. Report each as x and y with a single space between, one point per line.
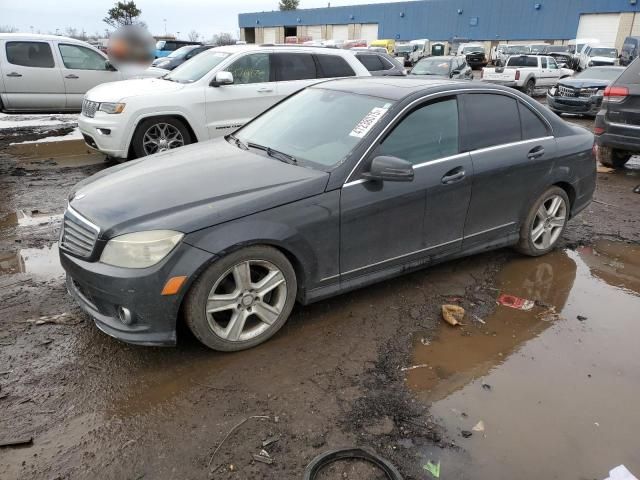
165 26
177 35
31 27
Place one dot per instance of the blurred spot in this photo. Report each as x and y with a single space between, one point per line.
131 45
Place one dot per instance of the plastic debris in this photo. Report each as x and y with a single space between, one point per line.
637 189
263 457
466 433
413 367
486 386
478 319
16 442
270 440
433 468
603 169
452 314
478 427
515 302
620 473
582 318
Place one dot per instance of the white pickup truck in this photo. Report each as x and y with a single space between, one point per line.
526 73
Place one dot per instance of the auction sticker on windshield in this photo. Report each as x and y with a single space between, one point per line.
367 123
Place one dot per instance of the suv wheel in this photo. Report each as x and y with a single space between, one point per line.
242 299
611 157
159 134
530 87
545 223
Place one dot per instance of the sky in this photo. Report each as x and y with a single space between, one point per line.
205 16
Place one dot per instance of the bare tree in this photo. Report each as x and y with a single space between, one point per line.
194 36
221 39
71 32
123 13
8 29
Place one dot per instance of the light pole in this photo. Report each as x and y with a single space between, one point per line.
165 26
31 27
177 35
57 30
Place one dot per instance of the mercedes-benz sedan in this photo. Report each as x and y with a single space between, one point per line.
341 185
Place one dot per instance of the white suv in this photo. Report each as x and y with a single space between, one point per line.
208 96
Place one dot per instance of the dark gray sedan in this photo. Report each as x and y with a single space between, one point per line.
454 67
344 184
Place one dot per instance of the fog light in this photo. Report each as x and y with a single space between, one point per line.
124 314
104 131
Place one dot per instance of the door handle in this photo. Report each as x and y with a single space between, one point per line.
71 75
14 74
453 176
265 90
535 152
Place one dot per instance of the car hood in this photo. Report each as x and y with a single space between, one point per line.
191 188
116 91
603 59
583 82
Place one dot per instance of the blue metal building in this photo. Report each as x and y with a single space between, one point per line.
488 20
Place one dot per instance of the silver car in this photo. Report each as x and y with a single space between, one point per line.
51 73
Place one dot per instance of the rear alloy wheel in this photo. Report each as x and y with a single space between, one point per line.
530 87
155 135
242 299
544 223
611 157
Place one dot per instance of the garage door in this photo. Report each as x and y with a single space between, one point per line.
341 32
603 26
270 35
369 31
315 32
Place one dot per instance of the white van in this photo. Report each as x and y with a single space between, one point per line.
51 73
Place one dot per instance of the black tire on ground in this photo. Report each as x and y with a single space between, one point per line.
530 87
146 124
197 298
611 157
525 244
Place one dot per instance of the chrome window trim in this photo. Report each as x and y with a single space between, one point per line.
489 230
444 93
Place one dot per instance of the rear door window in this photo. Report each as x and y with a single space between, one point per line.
532 126
371 62
30 54
504 126
334 66
253 68
294 66
544 62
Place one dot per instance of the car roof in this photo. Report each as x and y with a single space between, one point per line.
280 47
397 88
441 57
37 36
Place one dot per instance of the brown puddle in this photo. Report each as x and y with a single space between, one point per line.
562 393
42 263
63 153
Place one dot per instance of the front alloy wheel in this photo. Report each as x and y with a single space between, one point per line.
242 299
161 137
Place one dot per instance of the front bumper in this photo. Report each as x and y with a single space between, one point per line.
113 144
100 289
585 106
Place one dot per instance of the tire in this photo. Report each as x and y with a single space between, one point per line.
154 128
530 87
612 158
545 223
240 307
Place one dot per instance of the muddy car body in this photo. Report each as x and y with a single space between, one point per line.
376 177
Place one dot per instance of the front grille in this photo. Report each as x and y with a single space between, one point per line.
89 108
78 236
576 92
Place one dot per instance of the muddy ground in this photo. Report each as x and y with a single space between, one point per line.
373 368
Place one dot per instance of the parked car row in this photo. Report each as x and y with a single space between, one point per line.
526 73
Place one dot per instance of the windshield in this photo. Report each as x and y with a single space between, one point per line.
473 48
538 48
181 52
160 44
404 48
603 52
197 67
431 66
516 49
600 73
318 127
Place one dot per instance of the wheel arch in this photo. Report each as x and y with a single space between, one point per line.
176 115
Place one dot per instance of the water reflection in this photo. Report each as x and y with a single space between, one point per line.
42 263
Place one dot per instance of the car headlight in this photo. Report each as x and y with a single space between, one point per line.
552 91
599 93
111 107
140 249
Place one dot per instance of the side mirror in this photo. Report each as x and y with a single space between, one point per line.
454 73
222 78
390 169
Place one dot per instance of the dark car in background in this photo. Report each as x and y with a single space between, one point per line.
454 67
617 125
475 55
582 93
562 55
353 181
379 64
179 56
629 51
